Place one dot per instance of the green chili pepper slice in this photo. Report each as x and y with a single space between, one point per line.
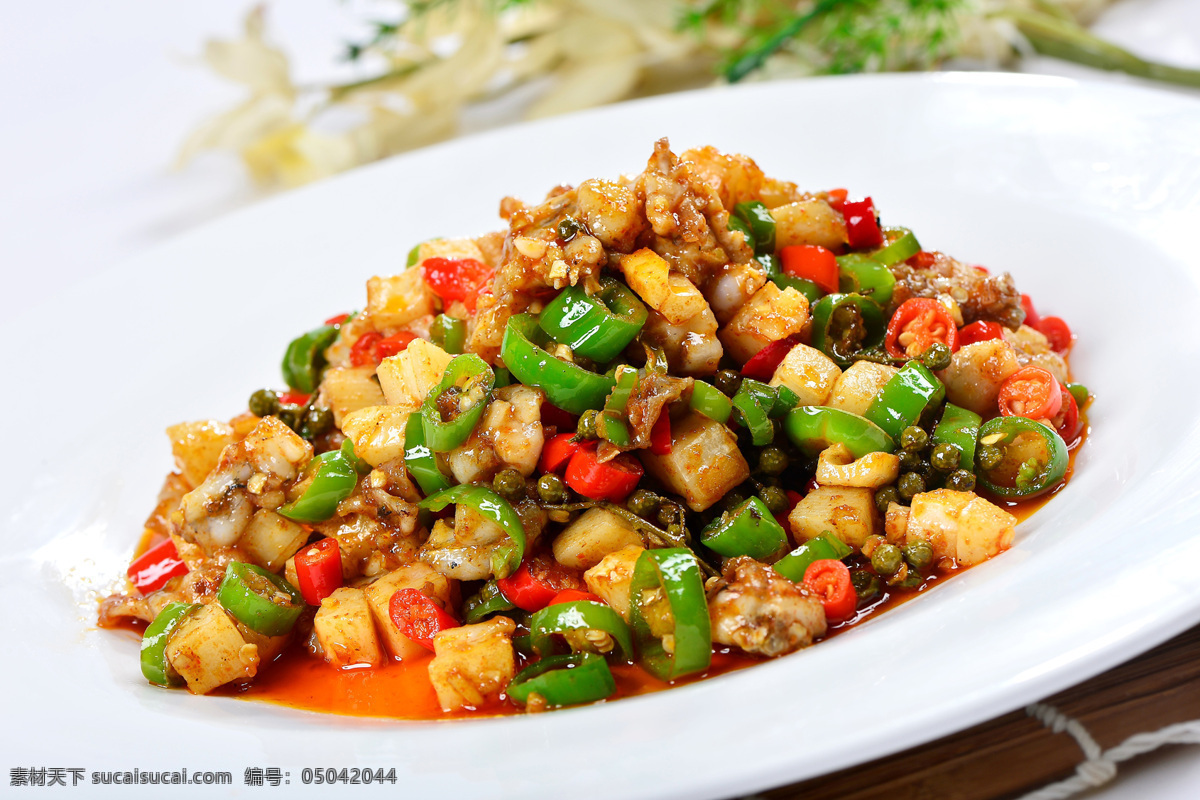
666 598
580 615
564 680
813 428
711 402
819 548
758 219
263 602
899 245
305 358
867 277
568 386
449 333
334 481
487 601
467 379
505 557
420 460
754 413
599 326
155 666
846 324
905 397
1079 392
1034 462
748 530
347 451
960 428
736 223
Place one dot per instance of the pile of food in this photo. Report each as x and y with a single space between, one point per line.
660 419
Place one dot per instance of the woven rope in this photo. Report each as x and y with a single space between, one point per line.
1100 766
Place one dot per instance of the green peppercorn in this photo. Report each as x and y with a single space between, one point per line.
910 461
670 513
317 421
290 415
866 585
509 484
772 460
961 480
264 403
552 490
728 382
587 424
945 457
775 499
643 503
936 356
913 439
910 485
568 228
885 496
732 500
988 456
886 560
918 554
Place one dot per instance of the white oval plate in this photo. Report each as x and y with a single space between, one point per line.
1088 194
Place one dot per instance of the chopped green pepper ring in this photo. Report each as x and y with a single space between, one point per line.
754 413
1034 457
866 276
568 386
564 680
155 666
420 460
449 333
960 428
1079 392
611 424
905 397
347 451
305 357
599 326
819 548
813 428
263 602
748 530
899 245
487 601
844 324
669 613
758 219
583 616
471 380
506 557
710 401
333 482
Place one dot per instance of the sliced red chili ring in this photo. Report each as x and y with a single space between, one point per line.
1030 392
918 323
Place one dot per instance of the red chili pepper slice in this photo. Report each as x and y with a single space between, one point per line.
563 420
457 279
762 365
922 260
829 580
660 435
1066 421
862 227
980 331
319 570
557 452
918 323
537 582
1031 314
612 480
337 319
391 345
572 596
813 263
418 616
152 569
1057 331
837 198
1030 392
362 352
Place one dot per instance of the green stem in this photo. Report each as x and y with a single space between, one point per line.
758 55
1063 39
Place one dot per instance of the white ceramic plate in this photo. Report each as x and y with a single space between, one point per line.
1089 195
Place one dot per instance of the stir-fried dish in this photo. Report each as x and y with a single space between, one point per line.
658 421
